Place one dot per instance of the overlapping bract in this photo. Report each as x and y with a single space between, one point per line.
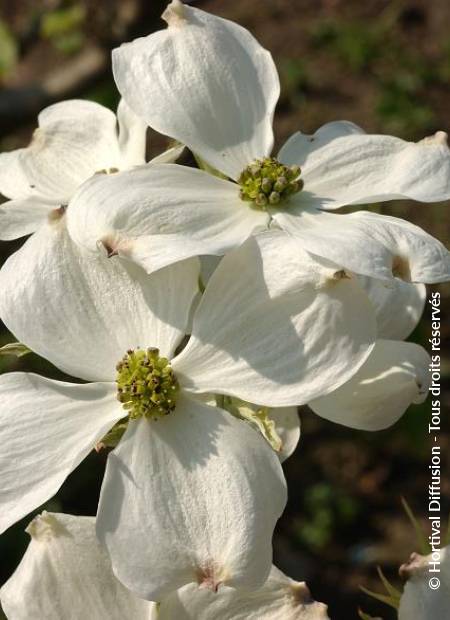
305 307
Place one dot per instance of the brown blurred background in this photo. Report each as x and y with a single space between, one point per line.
382 64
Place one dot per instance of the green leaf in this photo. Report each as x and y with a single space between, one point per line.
62 21
63 28
422 541
392 598
14 348
69 43
383 598
390 589
8 50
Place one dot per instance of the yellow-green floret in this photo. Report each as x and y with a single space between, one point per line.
146 384
266 182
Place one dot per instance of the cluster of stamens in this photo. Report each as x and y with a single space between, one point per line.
146 384
267 182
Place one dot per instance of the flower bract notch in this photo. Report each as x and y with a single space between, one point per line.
146 384
44 527
57 214
268 182
175 13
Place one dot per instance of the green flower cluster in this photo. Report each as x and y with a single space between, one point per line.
146 384
267 182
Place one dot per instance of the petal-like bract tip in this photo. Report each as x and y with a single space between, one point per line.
175 14
440 138
107 246
44 527
302 597
401 268
211 576
331 278
416 564
301 592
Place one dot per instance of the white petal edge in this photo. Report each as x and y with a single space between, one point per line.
208 265
88 310
258 330
203 490
378 246
357 168
288 427
132 137
398 305
74 140
66 574
280 598
395 376
169 156
47 428
159 214
206 82
22 217
419 601
299 146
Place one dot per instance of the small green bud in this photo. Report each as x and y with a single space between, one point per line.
274 198
280 184
266 186
295 171
261 200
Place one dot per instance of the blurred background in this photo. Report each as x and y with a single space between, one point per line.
382 64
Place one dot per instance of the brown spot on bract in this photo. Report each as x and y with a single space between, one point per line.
401 268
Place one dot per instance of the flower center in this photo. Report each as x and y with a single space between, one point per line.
146 384
267 182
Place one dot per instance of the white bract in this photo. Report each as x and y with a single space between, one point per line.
419 600
74 141
288 428
206 82
65 574
200 486
395 375
398 305
280 598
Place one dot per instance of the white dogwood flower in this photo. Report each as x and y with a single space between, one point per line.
421 599
75 140
280 598
206 82
202 488
65 573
